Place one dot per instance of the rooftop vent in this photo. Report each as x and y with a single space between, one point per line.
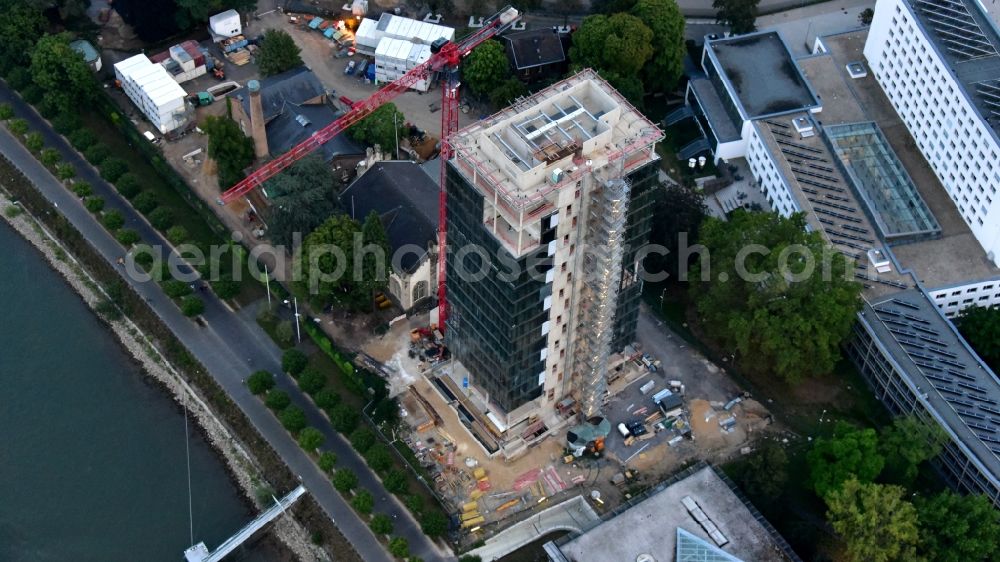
857 69
803 126
303 120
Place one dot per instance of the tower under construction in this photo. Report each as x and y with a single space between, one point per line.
549 204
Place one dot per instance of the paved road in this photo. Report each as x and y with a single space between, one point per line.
229 347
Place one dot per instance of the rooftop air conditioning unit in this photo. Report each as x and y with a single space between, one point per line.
803 126
857 69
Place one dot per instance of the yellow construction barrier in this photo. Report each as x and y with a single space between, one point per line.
471 506
473 522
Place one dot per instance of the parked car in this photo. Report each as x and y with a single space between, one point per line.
349 69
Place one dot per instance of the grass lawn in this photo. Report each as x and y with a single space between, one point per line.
199 231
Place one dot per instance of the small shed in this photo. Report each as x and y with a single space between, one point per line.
225 24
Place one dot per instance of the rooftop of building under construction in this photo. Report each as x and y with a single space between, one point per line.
541 143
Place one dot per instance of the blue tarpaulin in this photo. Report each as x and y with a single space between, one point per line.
314 24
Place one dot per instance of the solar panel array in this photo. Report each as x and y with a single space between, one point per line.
956 28
944 369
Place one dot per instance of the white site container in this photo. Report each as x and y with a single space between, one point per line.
394 57
225 24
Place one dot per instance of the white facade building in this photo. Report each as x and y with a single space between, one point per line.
394 57
370 32
939 67
154 92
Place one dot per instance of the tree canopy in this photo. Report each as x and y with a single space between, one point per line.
739 15
20 28
666 65
617 47
875 520
956 528
907 443
191 12
344 262
774 291
765 474
506 92
849 454
678 211
379 127
302 198
980 326
278 53
485 68
229 147
65 79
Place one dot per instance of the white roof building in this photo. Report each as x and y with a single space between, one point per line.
154 92
370 32
225 24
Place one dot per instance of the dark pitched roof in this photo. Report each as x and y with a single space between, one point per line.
282 97
405 197
535 47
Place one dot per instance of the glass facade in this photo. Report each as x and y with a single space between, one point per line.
495 323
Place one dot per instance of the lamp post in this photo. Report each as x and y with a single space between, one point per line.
267 285
395 129
298 329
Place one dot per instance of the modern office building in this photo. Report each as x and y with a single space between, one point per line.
878 196
938 63
548 203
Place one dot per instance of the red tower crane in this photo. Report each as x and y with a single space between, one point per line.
444 62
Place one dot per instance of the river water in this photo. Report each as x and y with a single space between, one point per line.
92 455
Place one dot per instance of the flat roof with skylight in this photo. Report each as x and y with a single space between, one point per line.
880 179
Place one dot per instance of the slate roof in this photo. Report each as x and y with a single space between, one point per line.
535 47
407 200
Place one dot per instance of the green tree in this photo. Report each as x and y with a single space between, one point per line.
381 524
850 453
260 382
96 154
284 332
312 381
225 287
375 257
378 458
765 474
381 127
775 292
434 524
229 147
739 15
485 68
34 141
113 168
82 189
144 201
399 548
414 504
907 443
362 439
363 502
327 399
129 185
192 306
877 524
127 237
176 234
293 419
505 93
345 480
277 400
65 79
49 157
311 439
65 171
395 481
617 47
344 418
678 212
293 361
82 139
278 53
20 28
113 220
328 258
327 460
176 289
187 13
866 15
980 326
666 65
956 528
6 112
302 197
17 127
94 204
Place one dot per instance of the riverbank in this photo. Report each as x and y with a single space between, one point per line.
287 539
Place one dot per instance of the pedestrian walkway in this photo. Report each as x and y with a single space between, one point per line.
574 515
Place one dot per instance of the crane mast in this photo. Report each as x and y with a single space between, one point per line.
444 61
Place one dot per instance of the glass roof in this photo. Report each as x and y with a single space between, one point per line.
882 182
693 549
